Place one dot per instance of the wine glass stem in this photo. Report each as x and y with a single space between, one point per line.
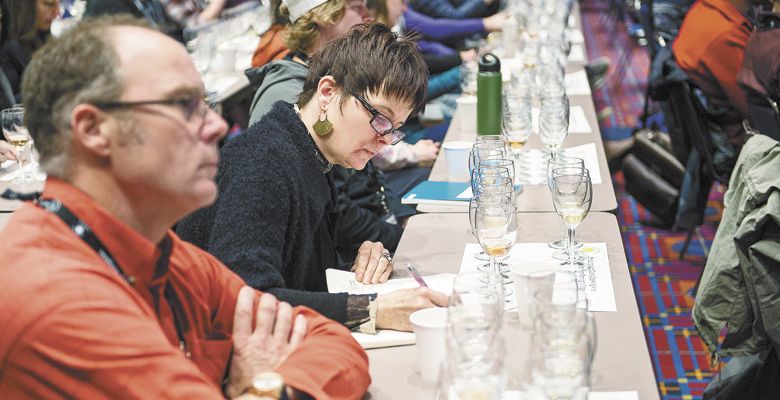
571 245
22 177
494 270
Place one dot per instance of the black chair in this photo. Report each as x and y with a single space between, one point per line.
701 170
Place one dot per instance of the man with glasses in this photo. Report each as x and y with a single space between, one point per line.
100 299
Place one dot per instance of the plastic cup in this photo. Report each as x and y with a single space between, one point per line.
456 153
467 113
429 326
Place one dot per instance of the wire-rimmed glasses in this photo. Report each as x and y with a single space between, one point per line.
382 125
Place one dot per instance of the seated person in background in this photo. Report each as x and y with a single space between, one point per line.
191 13
761 64
369 204
709 48
275 219
271 46
112 304
28 27
151 10
455 9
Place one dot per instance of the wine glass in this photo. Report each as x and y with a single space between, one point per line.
517 123
16 134
496 228
553 125
496 163
572 197
474 314
556 163
495 197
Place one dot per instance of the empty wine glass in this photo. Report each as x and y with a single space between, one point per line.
14 131
553 125
572 197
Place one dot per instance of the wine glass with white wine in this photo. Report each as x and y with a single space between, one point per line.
572 196
14 131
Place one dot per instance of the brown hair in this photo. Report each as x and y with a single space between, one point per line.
370 58
81 66
19 23
303 33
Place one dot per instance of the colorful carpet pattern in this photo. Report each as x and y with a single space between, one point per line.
663 283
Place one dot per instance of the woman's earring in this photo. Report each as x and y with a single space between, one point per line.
323 127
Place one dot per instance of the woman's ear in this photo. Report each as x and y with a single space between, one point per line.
326 91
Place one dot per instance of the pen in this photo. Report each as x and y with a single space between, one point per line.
416 275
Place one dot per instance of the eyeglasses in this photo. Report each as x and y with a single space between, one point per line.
381 124
192 105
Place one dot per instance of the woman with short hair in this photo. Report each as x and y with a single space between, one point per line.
274 222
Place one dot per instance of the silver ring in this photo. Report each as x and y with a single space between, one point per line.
386 255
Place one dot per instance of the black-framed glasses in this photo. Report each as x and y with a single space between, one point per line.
192 105
381 124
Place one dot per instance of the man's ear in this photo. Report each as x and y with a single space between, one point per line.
326 91
90 129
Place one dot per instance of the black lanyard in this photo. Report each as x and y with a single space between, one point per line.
84 232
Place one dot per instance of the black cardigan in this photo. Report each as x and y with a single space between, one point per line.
273 223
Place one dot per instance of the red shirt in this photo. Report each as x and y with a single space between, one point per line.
709 48
74 328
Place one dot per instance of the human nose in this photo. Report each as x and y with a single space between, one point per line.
214 126
384 140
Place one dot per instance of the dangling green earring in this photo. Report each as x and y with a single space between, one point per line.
323 127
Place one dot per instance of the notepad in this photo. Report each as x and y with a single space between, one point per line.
344 281
443 193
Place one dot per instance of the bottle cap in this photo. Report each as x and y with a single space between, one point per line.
489 63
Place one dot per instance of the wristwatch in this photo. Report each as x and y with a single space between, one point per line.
268 384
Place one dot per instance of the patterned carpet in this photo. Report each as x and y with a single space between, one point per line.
662 282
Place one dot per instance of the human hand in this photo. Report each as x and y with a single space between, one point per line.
373 263
393 309
495 22
6 151
426 151
468 55
264 346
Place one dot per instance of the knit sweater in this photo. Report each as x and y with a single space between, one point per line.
273 223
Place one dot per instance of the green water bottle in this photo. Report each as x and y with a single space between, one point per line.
489 95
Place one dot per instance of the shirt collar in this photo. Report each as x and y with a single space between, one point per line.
137 256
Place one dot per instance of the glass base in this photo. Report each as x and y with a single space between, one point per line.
560 244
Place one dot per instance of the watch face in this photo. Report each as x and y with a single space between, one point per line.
268 383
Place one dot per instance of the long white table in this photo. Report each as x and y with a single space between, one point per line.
435 242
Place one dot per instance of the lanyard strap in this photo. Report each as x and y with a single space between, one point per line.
85 233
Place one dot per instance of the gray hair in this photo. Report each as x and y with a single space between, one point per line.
81 66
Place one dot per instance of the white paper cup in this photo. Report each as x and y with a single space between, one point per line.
467 113
429 329
456 153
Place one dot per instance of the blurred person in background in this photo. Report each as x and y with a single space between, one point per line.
28 29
